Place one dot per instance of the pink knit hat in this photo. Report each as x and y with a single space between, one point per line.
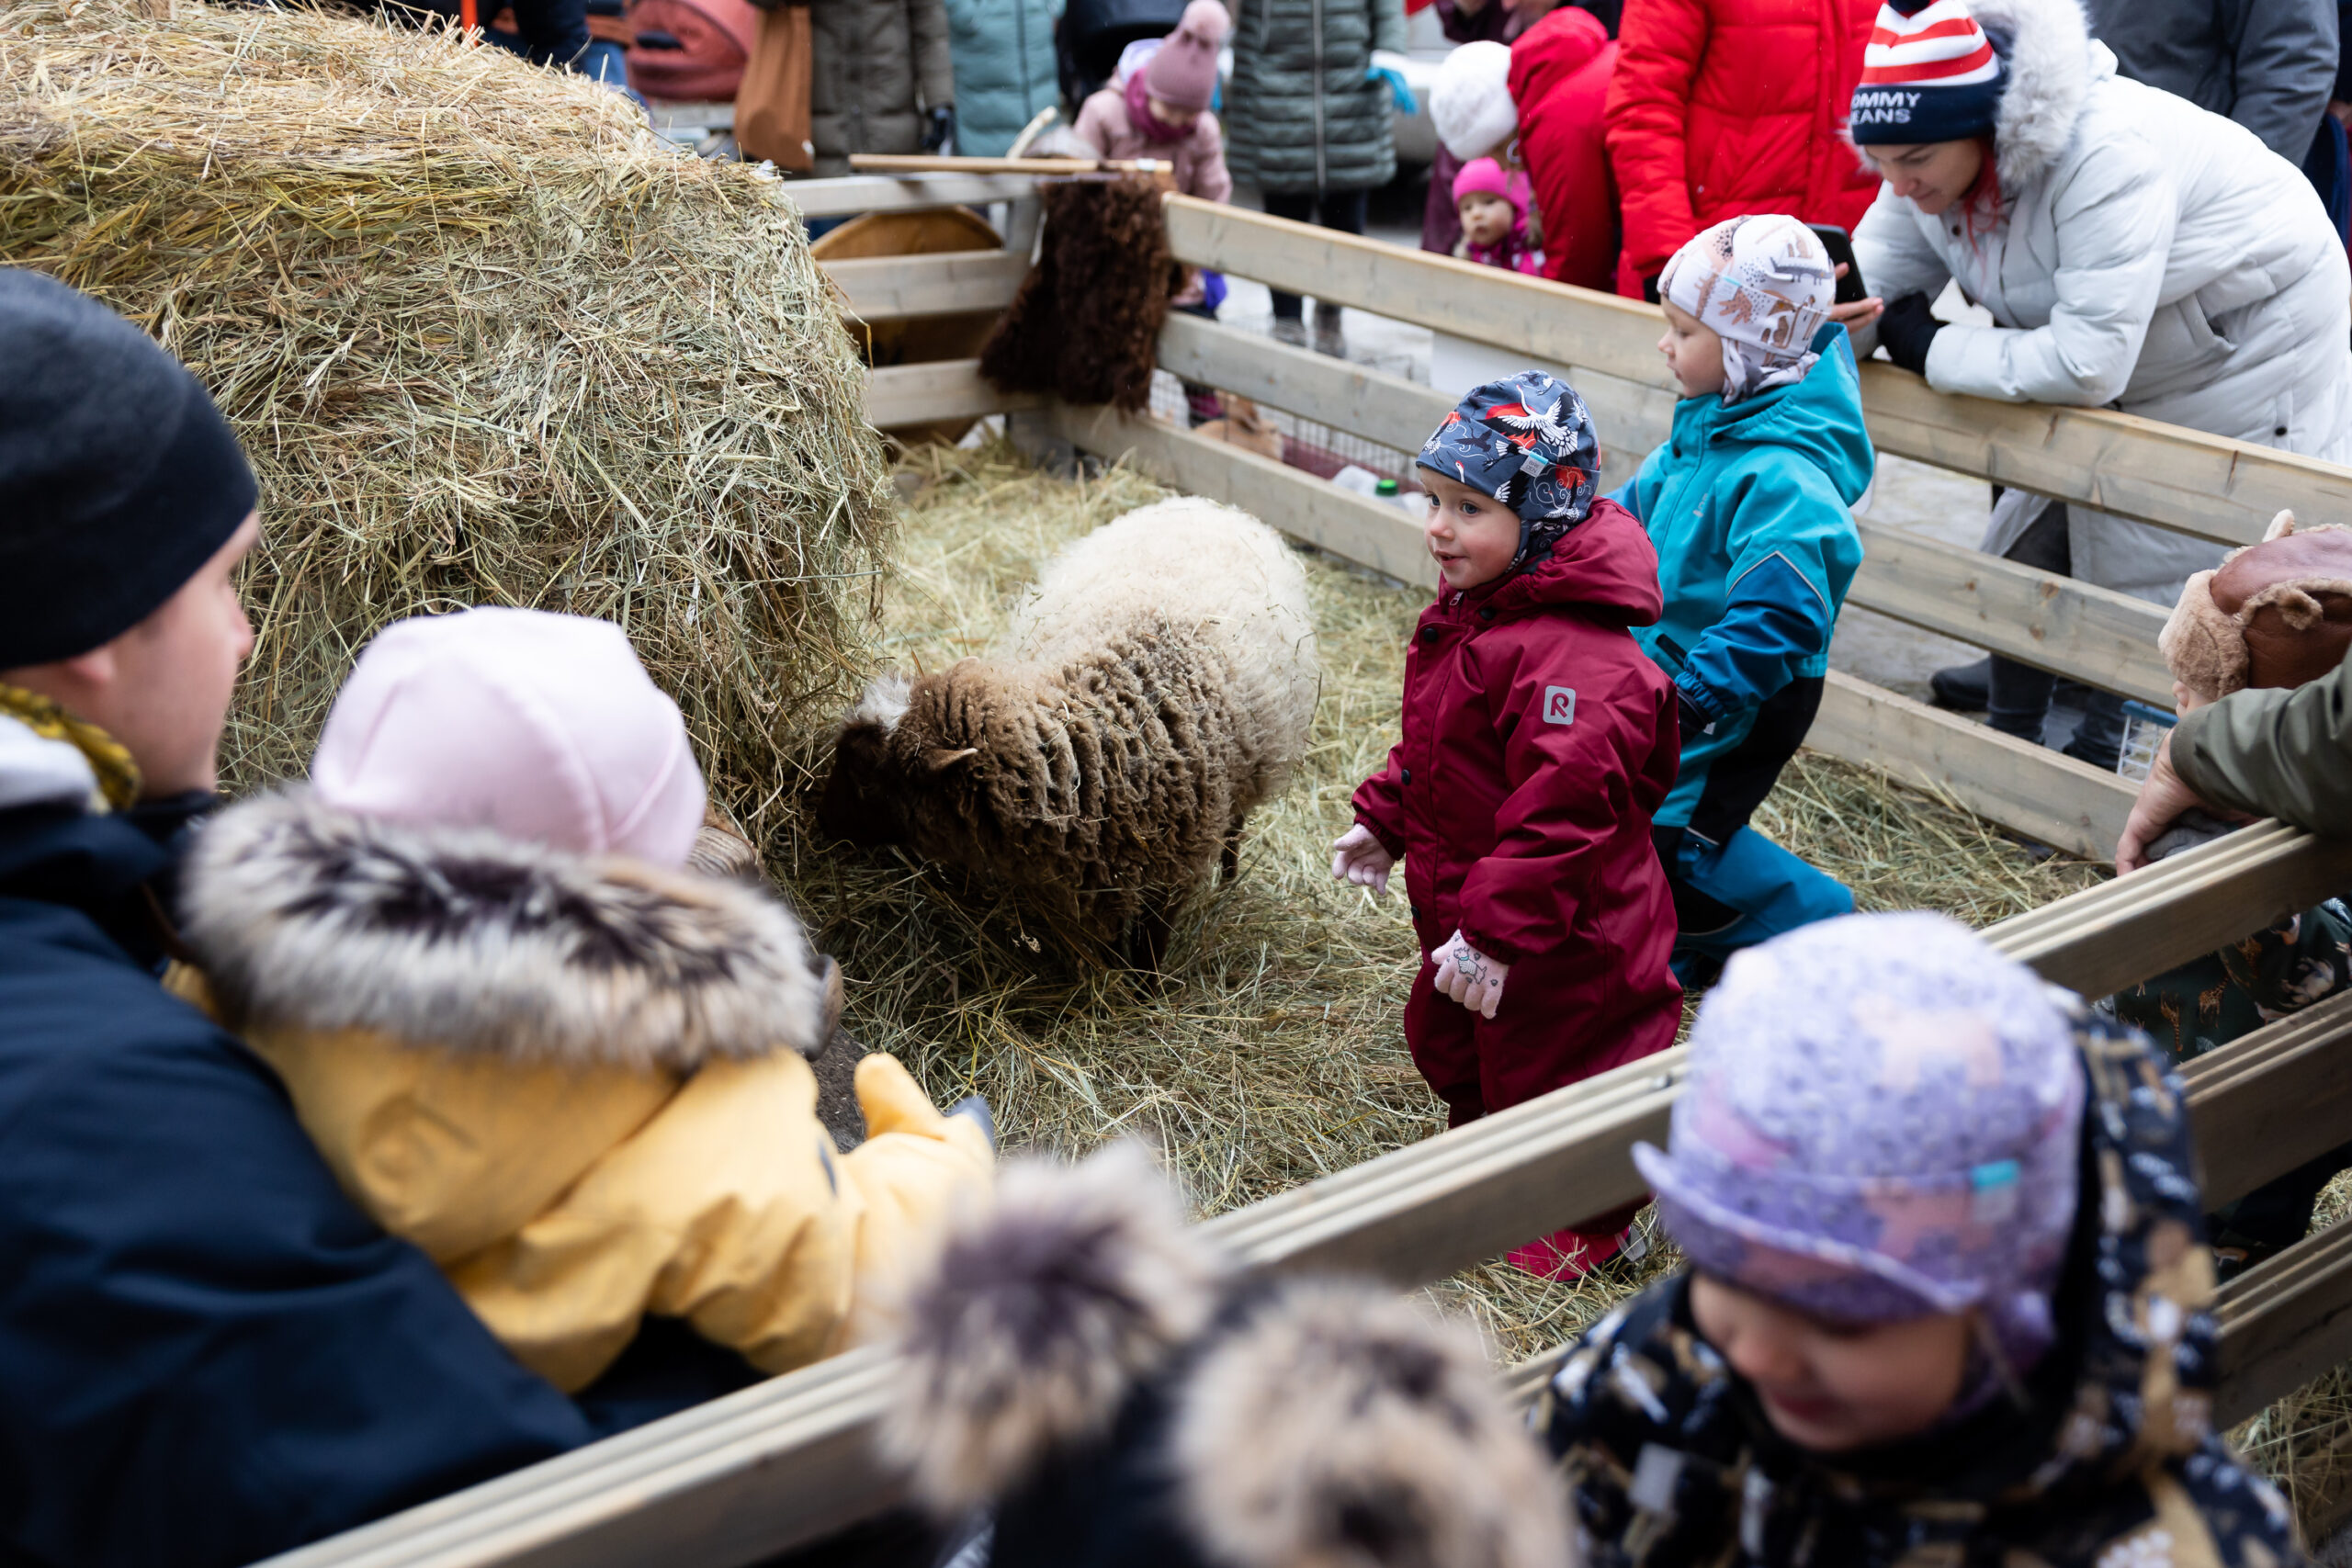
1184 69
1484 174
544 727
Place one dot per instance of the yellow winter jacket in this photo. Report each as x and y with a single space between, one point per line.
580 1085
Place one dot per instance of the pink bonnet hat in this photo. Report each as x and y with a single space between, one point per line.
1486 176
541 726
1183 70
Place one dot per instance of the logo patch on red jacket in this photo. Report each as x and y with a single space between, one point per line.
1559 705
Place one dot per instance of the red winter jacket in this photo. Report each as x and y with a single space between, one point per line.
1559 78
1538 740
1727 107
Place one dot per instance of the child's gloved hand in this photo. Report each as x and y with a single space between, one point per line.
1469 976
1359 856
1389 66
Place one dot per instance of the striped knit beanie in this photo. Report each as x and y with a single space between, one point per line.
1928 74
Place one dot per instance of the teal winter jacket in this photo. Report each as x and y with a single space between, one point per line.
1003 51
1749 505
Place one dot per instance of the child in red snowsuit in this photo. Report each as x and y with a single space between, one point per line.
1538 739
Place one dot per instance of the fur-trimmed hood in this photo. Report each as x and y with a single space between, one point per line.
307 917
1089 1367
2052 62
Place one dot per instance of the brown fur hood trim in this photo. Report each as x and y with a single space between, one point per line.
307 917
1341 1428
1037 1322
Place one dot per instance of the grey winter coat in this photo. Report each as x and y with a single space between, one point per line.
877 68
2268 65
1005 70
2148 256
1299 114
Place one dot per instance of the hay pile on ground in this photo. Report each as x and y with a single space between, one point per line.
487 340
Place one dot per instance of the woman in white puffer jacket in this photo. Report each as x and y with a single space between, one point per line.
2134 250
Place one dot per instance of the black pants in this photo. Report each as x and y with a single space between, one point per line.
1340 209
2019 698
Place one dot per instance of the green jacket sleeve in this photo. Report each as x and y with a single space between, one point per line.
2276 753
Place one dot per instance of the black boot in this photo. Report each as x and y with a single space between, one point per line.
1964 688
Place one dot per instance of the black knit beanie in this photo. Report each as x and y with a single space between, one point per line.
118 478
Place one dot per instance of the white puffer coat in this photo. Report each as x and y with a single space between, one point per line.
2149 256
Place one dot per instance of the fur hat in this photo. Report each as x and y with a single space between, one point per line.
1094 1369
1471 103
2272 615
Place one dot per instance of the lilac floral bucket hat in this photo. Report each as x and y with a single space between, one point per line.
1881 1122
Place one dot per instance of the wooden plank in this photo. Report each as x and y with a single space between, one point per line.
899 395
2092 633
2264 1103
787 1462
2283 1322
884 289
2052 623
2104 938
1371 403
2185 480
1373 533
847 195
2027 788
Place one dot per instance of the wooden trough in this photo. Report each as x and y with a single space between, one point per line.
788 1463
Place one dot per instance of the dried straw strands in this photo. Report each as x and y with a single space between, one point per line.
486 339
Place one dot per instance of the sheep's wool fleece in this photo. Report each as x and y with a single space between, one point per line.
1155 687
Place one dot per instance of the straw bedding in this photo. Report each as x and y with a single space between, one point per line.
1273 1054
486 340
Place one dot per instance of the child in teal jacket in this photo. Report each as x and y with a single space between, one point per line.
1748 506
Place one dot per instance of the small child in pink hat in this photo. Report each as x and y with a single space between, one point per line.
1160 107
1493 202
529 1039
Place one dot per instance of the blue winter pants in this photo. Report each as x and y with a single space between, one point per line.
1747 889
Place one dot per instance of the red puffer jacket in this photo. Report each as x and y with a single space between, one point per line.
1538 740
1559 78
1727 106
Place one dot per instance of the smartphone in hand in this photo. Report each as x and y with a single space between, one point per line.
1840 246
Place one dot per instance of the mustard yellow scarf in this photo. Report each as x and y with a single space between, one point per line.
118 775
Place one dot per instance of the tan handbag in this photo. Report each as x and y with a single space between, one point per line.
772 106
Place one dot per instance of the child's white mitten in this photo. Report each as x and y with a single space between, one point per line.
1469 976
1359 856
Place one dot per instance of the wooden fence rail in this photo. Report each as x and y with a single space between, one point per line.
788 1462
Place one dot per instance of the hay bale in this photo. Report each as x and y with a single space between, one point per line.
487 340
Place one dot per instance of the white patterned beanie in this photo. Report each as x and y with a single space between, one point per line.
1883 1121
1764 284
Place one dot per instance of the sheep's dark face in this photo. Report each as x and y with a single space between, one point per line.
862 796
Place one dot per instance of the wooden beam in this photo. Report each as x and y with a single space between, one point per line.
2052 623
883 289
2090 633
2283 1322
1372 533
2027 788
2264 1103
2104 938
2185 480
788 1462
847 196
1346 396
901 395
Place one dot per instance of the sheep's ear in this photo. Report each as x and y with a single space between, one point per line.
942 758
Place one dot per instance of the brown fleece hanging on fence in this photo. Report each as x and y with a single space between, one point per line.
1085 325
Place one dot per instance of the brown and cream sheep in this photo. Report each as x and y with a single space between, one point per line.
1155 686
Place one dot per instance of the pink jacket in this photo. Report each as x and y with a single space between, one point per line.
1104 124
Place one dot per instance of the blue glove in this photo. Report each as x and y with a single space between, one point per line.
1389 67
